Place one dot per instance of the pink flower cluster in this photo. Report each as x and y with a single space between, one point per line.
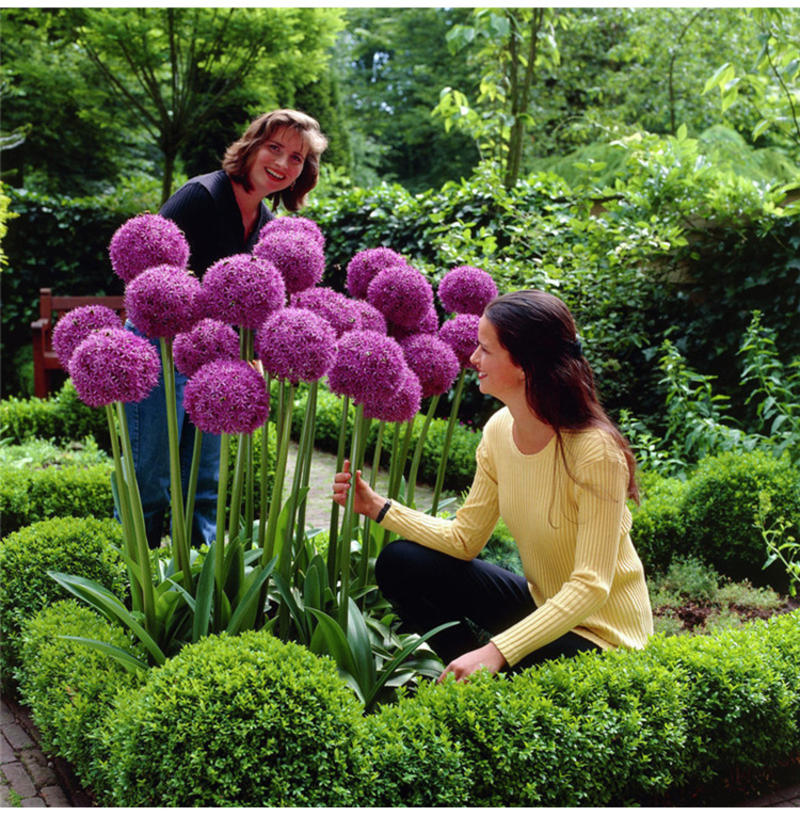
162 301
466 290
402 294
433 361
114 365
296 225
299 259
296 344
208 340
367 368
461 334
400 406
227 396
336 308
242 290
76 325
365 265
144 241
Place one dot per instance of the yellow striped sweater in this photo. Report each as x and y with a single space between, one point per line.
572 527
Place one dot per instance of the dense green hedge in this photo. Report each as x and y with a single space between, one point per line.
78 546
713 515
73 685
251 721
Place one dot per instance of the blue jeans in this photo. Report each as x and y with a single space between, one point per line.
147 424
428 588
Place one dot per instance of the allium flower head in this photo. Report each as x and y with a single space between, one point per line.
76 325
144 241
208 340
341 312
461 334
368 366
371 318
301 261
242 290
400 406
402 294
466 290
114 365
365 265
296 225
296 344
227 396
428 325
433 361
163 301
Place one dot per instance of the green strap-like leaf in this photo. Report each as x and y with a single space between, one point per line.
204 598
250 598
126 659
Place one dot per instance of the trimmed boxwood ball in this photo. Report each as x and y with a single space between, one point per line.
76 546
236 721
70 686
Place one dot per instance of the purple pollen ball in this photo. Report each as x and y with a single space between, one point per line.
114 365
433 361
402 294
242 290
368 366
227 396
366 264
76 325
296 345
467 290
296 225
336 308
371 318
162 301
461 334
299 260
144 241
428 325
206 341
401 406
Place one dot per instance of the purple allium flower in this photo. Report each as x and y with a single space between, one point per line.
371 318
365 265
466 290
428 325
208 340
243 290
144 241
227 396
341 312
114 365
163 301
433 361
402 294
76 325
301 261
368 366
401 406
296 225
461 334
296 344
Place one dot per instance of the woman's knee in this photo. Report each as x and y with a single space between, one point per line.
397 562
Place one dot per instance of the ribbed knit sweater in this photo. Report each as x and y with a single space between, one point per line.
572 526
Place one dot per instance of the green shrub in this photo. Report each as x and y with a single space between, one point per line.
70 686
244 721
720 508
659 526
76 546
28 496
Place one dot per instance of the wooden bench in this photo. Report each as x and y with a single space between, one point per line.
51 307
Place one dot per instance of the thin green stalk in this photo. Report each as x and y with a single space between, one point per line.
264 496
222 496
412 475
366 551
448 438
128 532
180 550
192 489
333 538
248 339
143 560
309 421
237 488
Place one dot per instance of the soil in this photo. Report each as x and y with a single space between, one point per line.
693 615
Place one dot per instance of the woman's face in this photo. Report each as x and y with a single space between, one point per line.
278 162
498 375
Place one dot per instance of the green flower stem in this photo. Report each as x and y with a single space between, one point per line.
412 476
448 438
222 496
180 550
309 427
285 427
192 489
248 338
143 551
128 532
366 549
264 496
334 527
394 458
236 491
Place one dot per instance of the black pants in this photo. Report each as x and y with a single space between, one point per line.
428 588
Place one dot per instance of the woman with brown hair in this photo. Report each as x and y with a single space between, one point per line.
221 214
555 468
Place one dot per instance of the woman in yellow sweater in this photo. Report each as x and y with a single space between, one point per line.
555 468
